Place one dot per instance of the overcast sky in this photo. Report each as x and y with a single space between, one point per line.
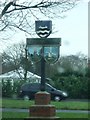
73 30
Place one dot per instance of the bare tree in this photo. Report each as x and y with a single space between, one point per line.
14 58
11 58
19 14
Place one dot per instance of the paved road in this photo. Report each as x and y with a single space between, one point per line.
27 110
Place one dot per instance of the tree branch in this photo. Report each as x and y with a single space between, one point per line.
22 18
21 7
6 8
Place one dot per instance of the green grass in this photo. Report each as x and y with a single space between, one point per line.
8 103
72 105
72 115
16 103
14 115
61 115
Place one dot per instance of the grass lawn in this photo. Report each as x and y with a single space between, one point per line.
72 105
61 115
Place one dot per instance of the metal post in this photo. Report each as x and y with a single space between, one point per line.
42 86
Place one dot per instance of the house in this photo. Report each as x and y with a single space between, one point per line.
19 75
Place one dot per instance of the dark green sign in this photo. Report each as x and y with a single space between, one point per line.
44 41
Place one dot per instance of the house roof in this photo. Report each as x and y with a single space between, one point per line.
19 74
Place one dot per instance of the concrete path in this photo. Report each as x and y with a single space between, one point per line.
27 110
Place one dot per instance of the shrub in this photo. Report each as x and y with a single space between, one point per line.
75 86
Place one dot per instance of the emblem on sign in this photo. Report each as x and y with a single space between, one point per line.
43 28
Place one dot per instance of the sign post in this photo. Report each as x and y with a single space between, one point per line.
45 50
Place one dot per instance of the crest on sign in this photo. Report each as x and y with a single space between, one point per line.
43 28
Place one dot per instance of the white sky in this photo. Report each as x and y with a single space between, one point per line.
73 30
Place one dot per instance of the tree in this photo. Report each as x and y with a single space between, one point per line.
20 14
6 88
73 64
73 76
13 58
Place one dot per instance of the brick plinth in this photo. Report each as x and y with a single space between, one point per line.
42 98
42 110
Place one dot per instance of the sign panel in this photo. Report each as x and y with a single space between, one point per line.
44 41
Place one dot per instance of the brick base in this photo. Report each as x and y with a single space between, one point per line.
42 111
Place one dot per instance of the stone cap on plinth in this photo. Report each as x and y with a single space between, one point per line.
43 118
